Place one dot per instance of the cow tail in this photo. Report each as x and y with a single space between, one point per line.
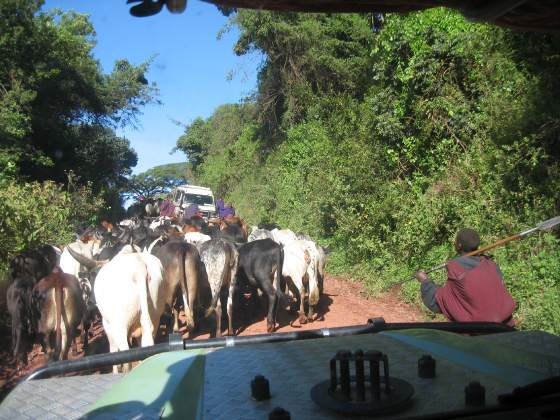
58 298
216 296
182 273
314 292
279 267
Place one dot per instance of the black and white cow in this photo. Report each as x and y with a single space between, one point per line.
220 260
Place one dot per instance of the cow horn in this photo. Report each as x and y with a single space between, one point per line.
87 262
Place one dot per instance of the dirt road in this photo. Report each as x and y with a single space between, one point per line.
342 304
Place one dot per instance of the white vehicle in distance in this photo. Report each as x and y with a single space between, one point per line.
185 195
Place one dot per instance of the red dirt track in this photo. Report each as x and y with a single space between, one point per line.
342 304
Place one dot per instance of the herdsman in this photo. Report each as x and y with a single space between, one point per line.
474 290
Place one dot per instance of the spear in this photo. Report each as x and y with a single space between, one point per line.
546 225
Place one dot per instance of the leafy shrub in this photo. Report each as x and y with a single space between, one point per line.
37 213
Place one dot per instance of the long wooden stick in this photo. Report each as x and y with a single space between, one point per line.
548 224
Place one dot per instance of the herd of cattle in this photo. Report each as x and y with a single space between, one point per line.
134 273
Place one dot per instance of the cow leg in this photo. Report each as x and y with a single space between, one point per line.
310 313
121 342
42 342
145 319
168 318
272 306
302 317
218 314
189 316
189 287
320 283
231 292
192 289
112 344
18 342
175 316
86 324
65 344
74 346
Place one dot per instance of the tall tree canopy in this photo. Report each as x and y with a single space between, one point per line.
57 108
307 56
214 135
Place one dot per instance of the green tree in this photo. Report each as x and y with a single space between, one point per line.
56 105
212 136
306 56
156 181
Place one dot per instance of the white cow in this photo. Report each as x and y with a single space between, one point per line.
257 234
283 236
160 221
68 264
195 238
131 293
300 266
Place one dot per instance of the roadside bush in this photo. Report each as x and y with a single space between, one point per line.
37 213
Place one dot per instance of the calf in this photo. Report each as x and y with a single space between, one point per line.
220 260
62 310
260 264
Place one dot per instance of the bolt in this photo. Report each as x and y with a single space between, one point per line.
334 382
345 357
260 389
475 394
375 383
279 414
426 367
360 378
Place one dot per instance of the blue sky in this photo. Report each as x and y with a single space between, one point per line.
191 67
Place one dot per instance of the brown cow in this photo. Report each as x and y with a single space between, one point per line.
230 223
181 262
61 311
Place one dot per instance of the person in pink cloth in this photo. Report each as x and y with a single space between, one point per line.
474 290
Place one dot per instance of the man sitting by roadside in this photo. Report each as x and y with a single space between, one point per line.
474 290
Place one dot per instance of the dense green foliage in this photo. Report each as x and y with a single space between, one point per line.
57 108
384 143
61 163
37 213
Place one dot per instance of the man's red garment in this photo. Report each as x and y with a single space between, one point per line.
477 294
